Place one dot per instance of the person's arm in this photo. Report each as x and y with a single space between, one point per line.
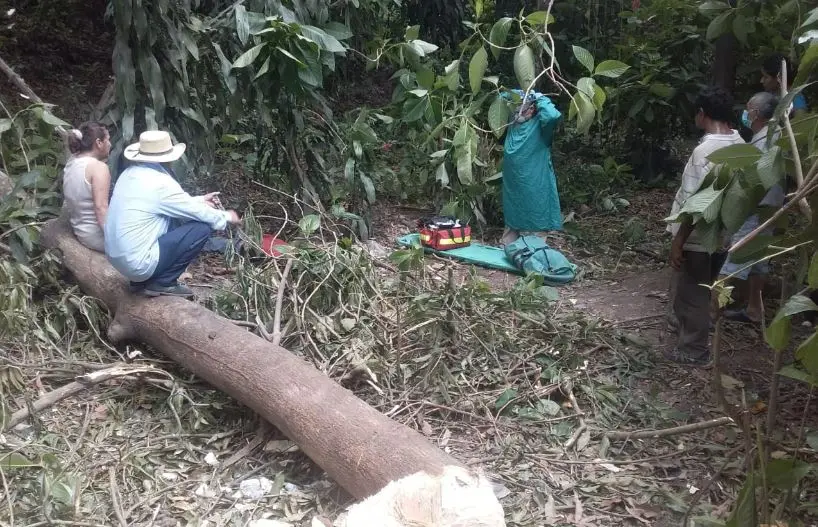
547 113
678 244
99 176
176 203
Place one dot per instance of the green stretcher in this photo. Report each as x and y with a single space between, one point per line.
476 254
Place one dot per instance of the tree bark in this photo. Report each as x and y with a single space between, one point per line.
360 448
725 60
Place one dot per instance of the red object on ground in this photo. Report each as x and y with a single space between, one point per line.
268 241
444 239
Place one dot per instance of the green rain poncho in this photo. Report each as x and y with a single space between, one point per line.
530 198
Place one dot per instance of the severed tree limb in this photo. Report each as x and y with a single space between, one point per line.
282 286
684 429
569 390
82 383
23 87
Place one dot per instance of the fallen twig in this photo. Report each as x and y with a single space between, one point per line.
684 429
279 302
82 383
120 514
569 390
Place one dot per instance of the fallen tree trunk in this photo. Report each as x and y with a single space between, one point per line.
360 448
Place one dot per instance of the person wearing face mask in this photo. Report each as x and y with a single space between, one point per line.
756 116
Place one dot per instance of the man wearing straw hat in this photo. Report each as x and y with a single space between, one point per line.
144 237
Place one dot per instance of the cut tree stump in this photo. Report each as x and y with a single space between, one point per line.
358 447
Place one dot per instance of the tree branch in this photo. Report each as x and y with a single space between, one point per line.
23 87
684 429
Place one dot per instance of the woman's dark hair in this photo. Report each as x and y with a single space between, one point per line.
772 66
83 138
716 103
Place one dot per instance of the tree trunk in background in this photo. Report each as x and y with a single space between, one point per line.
725 60
357 446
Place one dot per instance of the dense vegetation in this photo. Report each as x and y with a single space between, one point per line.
341 104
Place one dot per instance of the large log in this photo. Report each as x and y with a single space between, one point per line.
360 448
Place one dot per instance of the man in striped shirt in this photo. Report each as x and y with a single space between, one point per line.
692 262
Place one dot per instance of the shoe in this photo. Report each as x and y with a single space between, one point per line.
136 287
740 315
169 290
680 358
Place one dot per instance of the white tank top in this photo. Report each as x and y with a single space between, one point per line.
79 201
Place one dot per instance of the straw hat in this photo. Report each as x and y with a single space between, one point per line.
154 146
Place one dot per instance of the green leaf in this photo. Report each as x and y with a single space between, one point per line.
736 207
740 28
290 56
478 8
713 6
242 24
414 108
586 85
808 63
498 116
524 66
584 109
807 353
477 68
661 90
777 334
720 25
422 48
770 167
812 274
791 372
349 169
498 35
324 40
412 33
53 120
745 512
419 92
611 68
309 224
584 57
785 474
369 187
599 97
442 175
15 460
505 398
739 155
5 125
338 30
538 18
248 56
452 75
812 18
425 77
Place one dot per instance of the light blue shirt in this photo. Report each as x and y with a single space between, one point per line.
145 200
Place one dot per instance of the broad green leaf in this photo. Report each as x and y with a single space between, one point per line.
611 68
349 169
5 125
599 98
290 56
53 120
242 24
248 56
812 18
324 40
425 77
586 85
422 48
338 30
778 333
412 33
309 224
505 398
713 6
369 187
785 474
414 108
583 108
547 406
478 8
808 63
706 202
442 175
477 68
740 28
538 18
498 35
419 92
15 460
524 66
662 90
720 25
807 353
812 274
791 372
770 167
584 57
438 154
736 207
744 513
452 75
498 116
736 156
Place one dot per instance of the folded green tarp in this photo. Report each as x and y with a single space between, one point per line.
477 254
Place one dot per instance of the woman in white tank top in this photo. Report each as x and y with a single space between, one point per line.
87 183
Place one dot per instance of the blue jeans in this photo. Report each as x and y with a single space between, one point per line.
177 248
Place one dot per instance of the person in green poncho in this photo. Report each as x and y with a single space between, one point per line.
530 198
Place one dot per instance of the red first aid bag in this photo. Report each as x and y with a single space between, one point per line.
445 239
